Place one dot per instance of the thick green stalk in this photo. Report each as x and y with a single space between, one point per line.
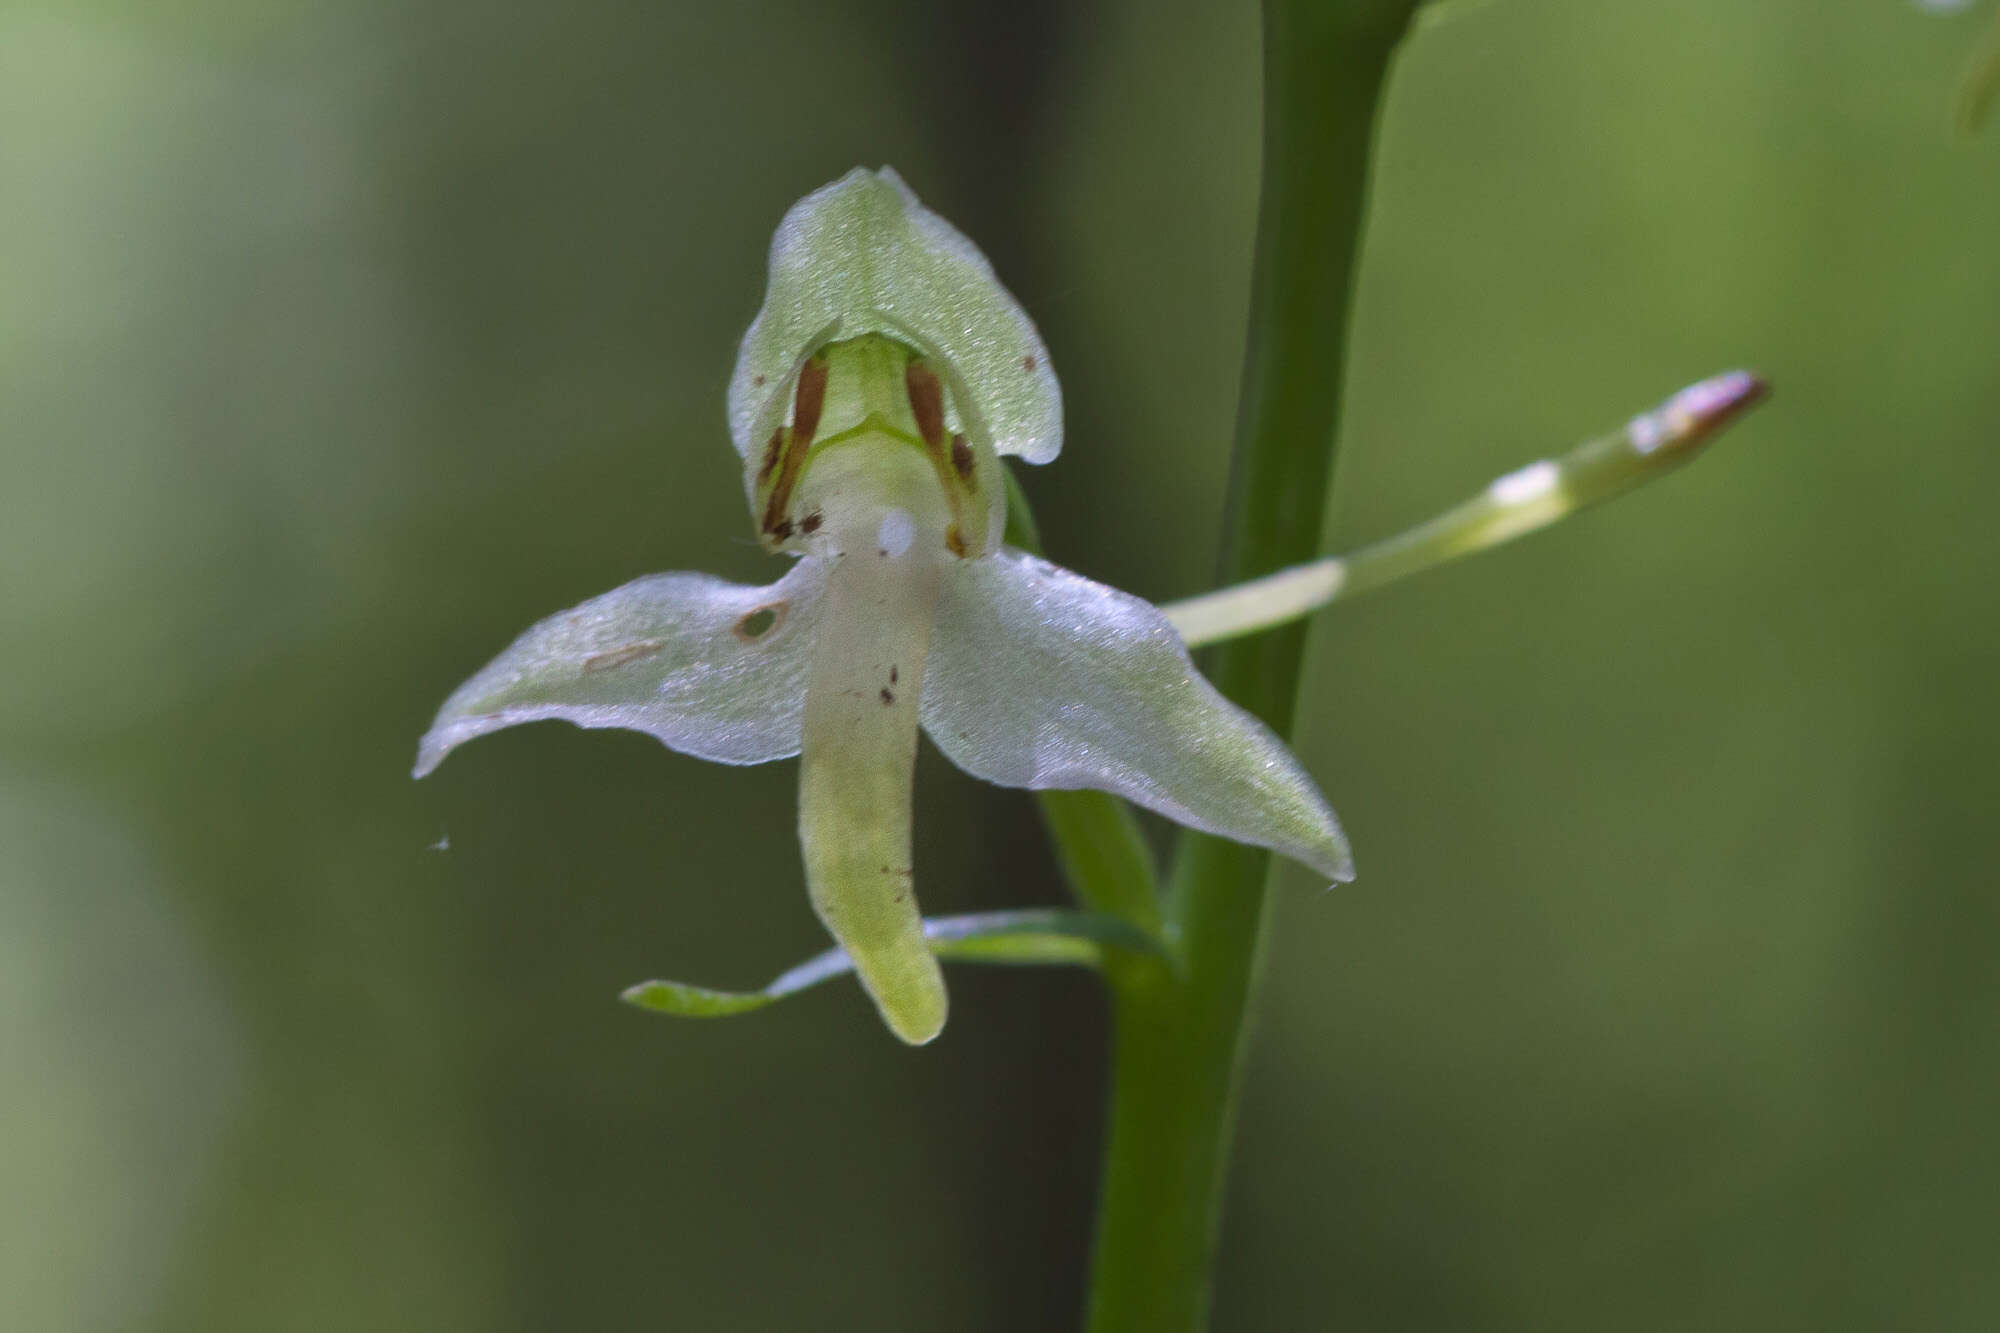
1179 1037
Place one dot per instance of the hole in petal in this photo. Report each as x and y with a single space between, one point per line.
754 625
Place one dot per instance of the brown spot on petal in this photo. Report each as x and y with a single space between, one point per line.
772 453
954 541
1028 363
618 657
810 523
961 458
887 697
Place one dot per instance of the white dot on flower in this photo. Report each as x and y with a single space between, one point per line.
1530 483
898 530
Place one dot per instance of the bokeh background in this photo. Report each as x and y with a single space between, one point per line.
338 342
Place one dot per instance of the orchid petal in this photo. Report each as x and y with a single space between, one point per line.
862 255
1042 678
710 668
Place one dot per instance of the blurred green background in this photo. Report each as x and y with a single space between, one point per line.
338 342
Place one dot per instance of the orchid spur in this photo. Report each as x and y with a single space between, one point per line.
874 395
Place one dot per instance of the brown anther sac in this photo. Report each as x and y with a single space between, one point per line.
776 521
954 541
810 398
772 453
961 458
926 401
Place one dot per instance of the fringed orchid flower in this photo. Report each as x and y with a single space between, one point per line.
873 398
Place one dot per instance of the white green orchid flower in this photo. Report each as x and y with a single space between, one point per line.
873 397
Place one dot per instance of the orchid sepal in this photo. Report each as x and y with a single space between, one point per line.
863 255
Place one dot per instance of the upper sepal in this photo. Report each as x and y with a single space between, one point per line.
862 255
711 668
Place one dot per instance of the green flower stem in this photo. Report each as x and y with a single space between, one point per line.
1179 1034
1523 501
